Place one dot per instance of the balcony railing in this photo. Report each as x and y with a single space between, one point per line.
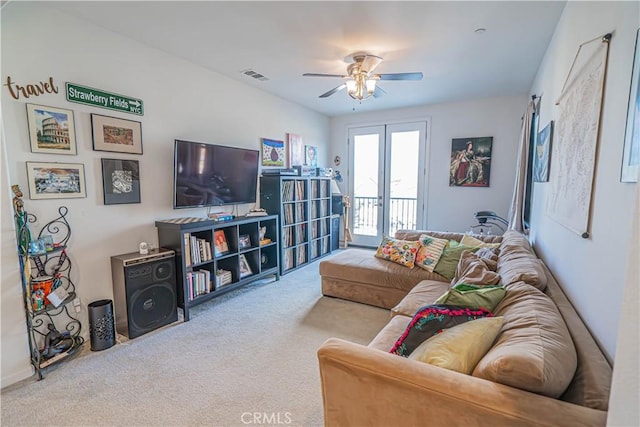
402 215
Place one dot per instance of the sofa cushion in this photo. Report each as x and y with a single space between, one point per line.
471 296
430 250
472 241
360 266
449 260
461 347
518 264
534 350
430 320
415 235
424 293
388 335
401 252
512 238
473 270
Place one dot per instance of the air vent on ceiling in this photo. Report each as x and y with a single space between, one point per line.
254 74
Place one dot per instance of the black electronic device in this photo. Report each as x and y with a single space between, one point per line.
280 172
213 175
144 290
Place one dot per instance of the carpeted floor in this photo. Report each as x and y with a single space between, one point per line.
246 358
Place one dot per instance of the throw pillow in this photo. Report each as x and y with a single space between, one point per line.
460 348
402 252
472 241
431 249
448 262
471 296
429 321
489 253
474 270
534 351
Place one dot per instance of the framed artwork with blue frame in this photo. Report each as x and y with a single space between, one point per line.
631 154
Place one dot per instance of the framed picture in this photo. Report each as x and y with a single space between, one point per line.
120 181
543 154
631 153
51 130
56 180
274 153
296 150
116 135
470 162
244 242
220 243
311 156
245 270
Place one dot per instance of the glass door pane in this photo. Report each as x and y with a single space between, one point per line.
404 167
366 181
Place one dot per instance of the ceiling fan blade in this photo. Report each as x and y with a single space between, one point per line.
369 63
323 75
379 92
401 76
332 91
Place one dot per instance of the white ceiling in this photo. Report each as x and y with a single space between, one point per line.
283 40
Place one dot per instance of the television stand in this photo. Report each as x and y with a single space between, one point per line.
213 258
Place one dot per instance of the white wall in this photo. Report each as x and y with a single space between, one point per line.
592 271
452 208
181 101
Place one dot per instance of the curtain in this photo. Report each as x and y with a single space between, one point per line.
516 211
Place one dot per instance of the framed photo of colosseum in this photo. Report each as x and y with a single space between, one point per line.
116 135
51 130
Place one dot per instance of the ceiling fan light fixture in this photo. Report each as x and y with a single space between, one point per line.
352 86
371 86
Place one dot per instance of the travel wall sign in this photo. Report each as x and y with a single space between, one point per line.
100 98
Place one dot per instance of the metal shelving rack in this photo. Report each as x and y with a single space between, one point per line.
55 264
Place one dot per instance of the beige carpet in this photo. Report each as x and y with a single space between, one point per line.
252 351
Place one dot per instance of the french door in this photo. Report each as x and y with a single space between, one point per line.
386 180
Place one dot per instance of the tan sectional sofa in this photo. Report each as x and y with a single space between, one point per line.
543 369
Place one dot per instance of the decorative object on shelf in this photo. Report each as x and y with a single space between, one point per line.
245 270
470 162
264 259
296 150
51 130
274 153
631 154
244 242
220 243
311 156
56 180
543 153
120 181
263 240
143 248
116 135
47 290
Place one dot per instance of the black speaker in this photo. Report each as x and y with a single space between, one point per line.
144 290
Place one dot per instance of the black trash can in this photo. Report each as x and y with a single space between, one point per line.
101 325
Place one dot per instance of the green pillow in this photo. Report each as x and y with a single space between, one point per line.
449 260
471 296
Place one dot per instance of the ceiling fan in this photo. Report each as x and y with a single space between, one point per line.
360 81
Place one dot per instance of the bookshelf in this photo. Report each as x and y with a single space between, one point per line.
213 258
304 207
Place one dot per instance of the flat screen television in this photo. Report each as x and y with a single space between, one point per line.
213 175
